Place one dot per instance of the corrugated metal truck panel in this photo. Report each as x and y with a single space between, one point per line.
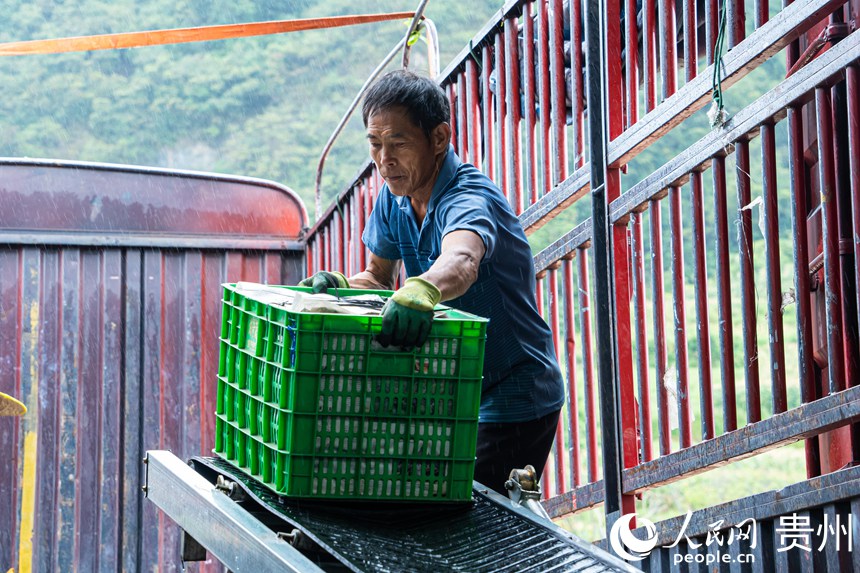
114 351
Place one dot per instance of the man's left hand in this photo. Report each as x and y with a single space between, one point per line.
321 281
408 314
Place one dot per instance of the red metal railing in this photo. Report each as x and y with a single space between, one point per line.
524 126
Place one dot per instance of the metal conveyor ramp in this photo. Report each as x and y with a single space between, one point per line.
248 528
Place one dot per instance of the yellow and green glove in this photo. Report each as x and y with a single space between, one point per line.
408 314
321 281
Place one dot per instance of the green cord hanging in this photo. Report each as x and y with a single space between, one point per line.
717 114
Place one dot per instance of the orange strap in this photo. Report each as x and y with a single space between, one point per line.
185 35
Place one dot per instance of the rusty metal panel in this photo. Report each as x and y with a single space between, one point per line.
115 353
113 348
55 196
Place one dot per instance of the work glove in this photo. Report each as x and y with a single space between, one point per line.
321 281
408 314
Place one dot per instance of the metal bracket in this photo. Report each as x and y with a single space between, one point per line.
231 489
524 490
829 35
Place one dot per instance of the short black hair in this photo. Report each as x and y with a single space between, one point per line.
423 99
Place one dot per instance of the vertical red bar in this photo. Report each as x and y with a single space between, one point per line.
334 239
529 95
349 231
830 236
703 324
539 292
570 355
691 55
668 56
352 238
560 481
360 256
459 87
661 364
724 296
337 252
736 22
588 363
799 214
318 251
341 240
852 86
373 186
309 257
455 135
649 49
317 254
370 194
539 299
558 92
473 112
712 27
577 93
625 338
773 267
842 192
359 225
326 261
852 82
549 487
621 257
502 113
631 63
748 302
356 226
331 230
615 93
638 275
543 77
761 13
684 425
487 106
512 96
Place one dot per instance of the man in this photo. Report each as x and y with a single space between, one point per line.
461 244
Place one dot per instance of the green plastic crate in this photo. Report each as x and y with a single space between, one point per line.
309 405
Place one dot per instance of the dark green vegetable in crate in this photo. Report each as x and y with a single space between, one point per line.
310 406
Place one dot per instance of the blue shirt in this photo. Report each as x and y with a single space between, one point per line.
522 380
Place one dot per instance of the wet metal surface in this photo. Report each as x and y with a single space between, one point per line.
479 536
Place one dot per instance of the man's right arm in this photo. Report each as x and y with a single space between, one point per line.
380 274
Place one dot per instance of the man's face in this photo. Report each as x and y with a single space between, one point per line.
403 154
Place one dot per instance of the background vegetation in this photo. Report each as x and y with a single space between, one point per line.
261 107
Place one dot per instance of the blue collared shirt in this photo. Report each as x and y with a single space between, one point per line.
522 380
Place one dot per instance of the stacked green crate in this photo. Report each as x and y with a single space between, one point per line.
311 406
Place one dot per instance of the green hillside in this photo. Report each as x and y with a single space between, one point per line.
261 107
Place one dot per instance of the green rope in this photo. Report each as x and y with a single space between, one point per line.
717 112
